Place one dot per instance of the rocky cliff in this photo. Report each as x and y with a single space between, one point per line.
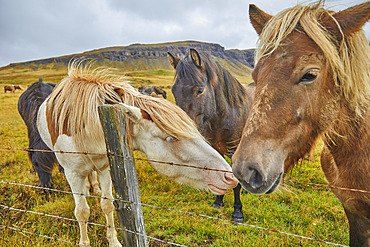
152 56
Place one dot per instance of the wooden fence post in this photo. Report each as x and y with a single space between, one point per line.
124 177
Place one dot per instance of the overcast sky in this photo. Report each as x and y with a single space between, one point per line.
35 29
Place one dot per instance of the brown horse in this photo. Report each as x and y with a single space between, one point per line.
312 79
218 104
18 87
9 88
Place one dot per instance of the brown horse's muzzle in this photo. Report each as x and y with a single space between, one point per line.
258 173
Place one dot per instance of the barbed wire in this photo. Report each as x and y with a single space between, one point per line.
175 164
327 186
113 154
89 223
40 235
173 210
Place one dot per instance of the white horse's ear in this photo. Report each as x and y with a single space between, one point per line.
134 113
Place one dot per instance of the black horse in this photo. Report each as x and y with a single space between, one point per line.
218 104
28 105
154 89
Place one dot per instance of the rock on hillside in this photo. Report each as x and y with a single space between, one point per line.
153 56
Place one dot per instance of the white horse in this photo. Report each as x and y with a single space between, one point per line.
68 120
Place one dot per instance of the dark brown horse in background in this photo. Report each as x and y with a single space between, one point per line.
312 79
218 104
154 89
28 105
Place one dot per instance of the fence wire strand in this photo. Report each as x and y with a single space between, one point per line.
40 235
173 164
164 208
86 222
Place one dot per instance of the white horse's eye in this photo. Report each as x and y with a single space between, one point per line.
170 139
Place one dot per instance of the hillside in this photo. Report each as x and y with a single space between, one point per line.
135 57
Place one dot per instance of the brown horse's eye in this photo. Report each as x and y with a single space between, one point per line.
309 77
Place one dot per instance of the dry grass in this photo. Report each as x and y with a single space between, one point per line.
304 210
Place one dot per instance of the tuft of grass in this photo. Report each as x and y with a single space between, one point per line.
298 209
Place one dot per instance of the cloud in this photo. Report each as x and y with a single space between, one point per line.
35 29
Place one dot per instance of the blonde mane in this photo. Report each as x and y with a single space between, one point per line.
349 63
75 100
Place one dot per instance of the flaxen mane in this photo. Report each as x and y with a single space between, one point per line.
217 75
75 100
349 63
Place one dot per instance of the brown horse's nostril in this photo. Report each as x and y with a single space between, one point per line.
256 179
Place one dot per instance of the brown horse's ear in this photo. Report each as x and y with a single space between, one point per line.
195 57
350 20
258 18
173 60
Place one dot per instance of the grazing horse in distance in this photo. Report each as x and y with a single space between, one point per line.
154 89
154 126
43 162
9 88
18 87
312 79
218 104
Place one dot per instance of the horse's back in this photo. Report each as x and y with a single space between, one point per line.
30 101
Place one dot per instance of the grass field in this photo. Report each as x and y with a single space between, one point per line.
304 210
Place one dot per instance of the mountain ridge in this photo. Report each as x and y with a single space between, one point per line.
150 56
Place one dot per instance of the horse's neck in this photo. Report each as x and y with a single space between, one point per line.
224 107
349 142
224 128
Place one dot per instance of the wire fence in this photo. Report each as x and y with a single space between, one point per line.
148 205
174 164
145 205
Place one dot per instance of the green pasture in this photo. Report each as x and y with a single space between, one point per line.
303 210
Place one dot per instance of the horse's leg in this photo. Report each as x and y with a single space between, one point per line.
219 202
107 206
82 209
87 185
93 179
359 232
237 215
355 205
